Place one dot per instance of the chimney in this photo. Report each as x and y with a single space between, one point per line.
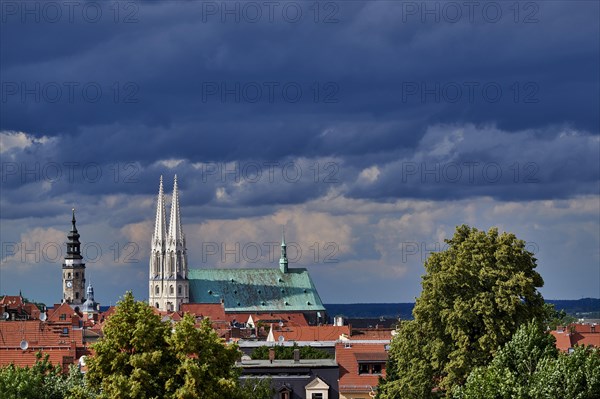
271 354
296 355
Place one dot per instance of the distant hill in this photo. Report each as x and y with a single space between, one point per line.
586 307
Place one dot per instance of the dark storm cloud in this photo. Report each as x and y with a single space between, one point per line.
184 80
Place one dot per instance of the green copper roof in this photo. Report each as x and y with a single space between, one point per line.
255 290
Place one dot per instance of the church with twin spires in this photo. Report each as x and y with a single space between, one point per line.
239 290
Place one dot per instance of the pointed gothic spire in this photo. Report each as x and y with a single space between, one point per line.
160 225
283 262
73 245
175 231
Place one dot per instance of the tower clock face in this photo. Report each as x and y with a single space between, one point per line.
69 284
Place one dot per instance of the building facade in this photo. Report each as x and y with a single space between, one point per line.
248 290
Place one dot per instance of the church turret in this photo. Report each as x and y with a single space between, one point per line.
73 268
90 306
283 262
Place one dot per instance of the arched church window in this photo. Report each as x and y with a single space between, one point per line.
156 304
179 290
77 295
157 290
69 275
171 290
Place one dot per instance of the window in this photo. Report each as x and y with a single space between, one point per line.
76 274
157 290
65 330
317 396
77 295
63 316
171 290
179 290
69 275
284 395
370 368
157 305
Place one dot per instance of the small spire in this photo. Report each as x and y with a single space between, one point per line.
74 228
283 262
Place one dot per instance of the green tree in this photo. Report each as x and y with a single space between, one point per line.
556 318
407 374
42 381
530 367
133 359
574 376
475 295
205 366
142 357
510 373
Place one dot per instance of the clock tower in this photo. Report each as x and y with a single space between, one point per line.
73 270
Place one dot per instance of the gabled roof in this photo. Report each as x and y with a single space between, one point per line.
12 300
317 383
255 290
64 308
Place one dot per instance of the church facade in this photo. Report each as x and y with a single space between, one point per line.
169 284
245 290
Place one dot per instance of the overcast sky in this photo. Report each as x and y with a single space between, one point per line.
368 129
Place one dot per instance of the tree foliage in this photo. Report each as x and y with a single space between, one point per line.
556 318
530 367
475 295
142 357
287 352
42 381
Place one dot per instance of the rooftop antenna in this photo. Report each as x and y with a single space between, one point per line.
24 344
43 316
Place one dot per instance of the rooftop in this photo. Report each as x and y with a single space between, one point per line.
255 290
303 363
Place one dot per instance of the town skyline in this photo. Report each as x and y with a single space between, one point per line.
369 130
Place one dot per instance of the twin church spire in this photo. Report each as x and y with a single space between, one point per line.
168 260
173 236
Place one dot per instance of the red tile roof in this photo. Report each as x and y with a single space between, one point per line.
576 334
313 333
348 355
214 311
12 300
63 343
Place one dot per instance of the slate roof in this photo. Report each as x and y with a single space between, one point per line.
255 290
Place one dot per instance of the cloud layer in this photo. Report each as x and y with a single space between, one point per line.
368 129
